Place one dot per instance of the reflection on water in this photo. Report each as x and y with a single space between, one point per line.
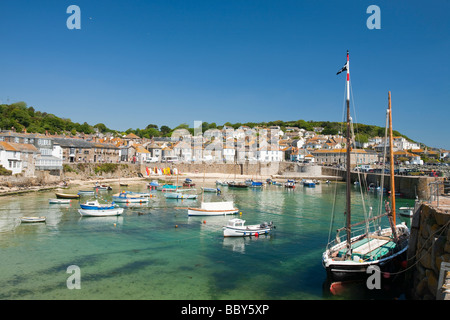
157 245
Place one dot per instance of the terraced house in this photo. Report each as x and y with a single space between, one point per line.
80 150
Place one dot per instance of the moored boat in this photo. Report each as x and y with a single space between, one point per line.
100 212
125 197
237 185
181 194
95 205
350 256
66 196
213 209
215 190
59 201
32 219
309 183
237 228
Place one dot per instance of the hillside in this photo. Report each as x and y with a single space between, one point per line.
19 116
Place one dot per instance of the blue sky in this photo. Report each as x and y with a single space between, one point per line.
169 62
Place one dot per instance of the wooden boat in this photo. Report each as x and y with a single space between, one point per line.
123 184
237 185
349 257
32 219
66 196
100 212
237 228
59 201
213 209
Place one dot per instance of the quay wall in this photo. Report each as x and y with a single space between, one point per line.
408 186
428 271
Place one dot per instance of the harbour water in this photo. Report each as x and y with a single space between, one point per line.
155 251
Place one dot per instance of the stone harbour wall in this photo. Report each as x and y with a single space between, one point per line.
428 252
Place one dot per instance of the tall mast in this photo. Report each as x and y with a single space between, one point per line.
391 160
348 211
348 226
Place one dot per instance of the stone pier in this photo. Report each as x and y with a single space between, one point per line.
429 251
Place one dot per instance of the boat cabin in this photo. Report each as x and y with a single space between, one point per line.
236 223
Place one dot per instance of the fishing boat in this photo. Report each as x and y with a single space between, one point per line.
213 209
237 228
59 201
256 184
348 257
181 194
289 185
95 205
66 196
100 212
309 183
32 219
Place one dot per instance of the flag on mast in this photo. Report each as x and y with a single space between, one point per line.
344 68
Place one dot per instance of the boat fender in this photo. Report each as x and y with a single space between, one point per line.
256 234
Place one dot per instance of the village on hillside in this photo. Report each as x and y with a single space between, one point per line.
25 153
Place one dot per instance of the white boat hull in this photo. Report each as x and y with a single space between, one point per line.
247 231
100 213
32 219
59 201
202 212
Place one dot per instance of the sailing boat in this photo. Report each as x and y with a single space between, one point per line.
348 257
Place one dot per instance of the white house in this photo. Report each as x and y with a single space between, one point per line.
18 157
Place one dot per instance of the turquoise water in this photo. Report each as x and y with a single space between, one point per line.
143 255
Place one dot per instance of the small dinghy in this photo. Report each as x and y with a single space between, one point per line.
237 228
32 219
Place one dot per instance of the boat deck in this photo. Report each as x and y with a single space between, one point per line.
370 248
